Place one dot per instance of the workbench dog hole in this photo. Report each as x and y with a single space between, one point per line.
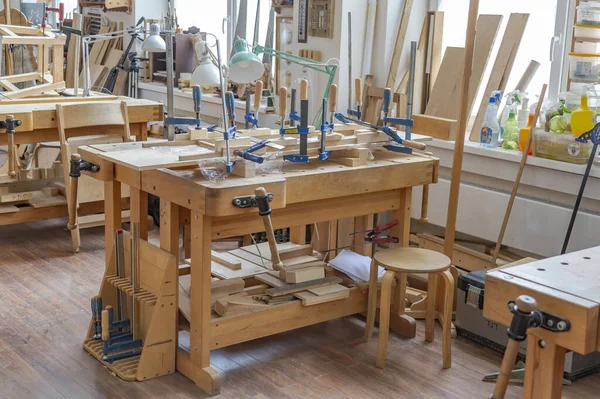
542 344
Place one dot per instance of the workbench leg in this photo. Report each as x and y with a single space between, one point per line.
543 370
138 210
363 223
169 241
196 364
320 238
112 216
298 234
401 323
187 241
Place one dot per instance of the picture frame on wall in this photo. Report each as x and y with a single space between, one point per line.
321 18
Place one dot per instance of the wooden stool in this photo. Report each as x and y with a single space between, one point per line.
402 261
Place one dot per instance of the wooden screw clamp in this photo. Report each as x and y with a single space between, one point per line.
10 124
525 315
264 210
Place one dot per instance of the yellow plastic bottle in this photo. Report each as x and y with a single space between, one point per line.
582 119
524 133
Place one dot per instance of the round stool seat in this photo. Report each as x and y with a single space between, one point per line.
412 260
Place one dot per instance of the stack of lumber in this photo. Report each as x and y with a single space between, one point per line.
104 56
304 277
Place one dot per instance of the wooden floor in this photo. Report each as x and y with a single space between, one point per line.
45 310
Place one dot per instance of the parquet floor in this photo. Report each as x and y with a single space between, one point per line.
45 295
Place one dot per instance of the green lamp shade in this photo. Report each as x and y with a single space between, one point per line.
244 66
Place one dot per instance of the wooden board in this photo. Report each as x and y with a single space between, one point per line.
329 289
309 299
226 260
400 38
293 288
448 85
502 66
15 197
270 279
40 200
248 269
252 258
7 208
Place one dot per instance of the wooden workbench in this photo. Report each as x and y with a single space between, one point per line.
567 286
303 194
40 126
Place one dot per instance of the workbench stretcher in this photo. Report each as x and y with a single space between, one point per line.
303 194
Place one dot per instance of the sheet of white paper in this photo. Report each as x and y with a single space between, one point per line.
356 266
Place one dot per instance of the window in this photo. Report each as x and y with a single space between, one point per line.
547 20
212 16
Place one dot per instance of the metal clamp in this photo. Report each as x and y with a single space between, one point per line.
537 318
248 201
78 165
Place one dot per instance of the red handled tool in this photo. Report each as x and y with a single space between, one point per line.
373 233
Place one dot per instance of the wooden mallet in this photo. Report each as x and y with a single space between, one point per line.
264 210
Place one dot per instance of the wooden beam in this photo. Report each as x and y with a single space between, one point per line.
439 128
391 80
35 90
462 127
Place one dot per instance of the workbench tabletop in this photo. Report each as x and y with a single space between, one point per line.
297 182
576 273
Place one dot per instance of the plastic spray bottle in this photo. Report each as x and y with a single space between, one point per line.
523 114
490 129
511 131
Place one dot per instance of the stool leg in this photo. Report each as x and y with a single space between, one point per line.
372 301
447 322
430 309
384 317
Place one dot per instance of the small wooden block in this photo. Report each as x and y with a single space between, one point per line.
303 275
50 191
36 174
330 289
23 175
244 169
198 134
298 260
226 259
237 304
50 173
16 197
182 137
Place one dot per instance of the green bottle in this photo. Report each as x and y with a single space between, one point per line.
511 132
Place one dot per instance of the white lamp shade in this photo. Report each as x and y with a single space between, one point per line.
154 43
205 74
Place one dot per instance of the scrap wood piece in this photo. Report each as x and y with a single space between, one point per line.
270 279
8 208
34 90
450 76
329 289
293 288
236 304
309 299
503 65
401 36
226 287
16 197
226 259
304 274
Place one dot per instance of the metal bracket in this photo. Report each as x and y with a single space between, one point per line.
248 201
547 321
